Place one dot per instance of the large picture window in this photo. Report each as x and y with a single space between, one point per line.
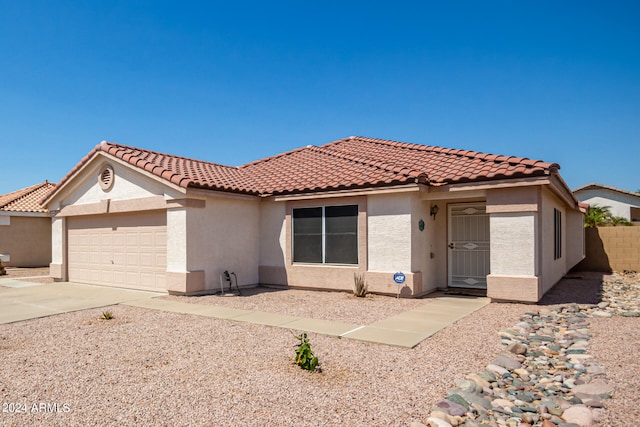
326 235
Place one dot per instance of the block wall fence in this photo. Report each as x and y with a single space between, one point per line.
611 249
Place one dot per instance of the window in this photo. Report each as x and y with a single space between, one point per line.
326 235
557 234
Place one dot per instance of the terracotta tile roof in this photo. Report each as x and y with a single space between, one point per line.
26 199
354 162
320 169
360 162
181 171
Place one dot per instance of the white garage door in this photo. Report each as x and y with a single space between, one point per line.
124 250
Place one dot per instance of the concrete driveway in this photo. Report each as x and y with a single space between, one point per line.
23 300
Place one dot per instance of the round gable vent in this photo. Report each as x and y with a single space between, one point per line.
106 178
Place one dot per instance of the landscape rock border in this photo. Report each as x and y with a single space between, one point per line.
544 376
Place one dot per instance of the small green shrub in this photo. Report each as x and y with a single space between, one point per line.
360 287
107 315
304 355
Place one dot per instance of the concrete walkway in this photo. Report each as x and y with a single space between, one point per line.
28 301
24 300
410 328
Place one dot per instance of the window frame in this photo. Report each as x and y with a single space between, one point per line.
557 234
324 234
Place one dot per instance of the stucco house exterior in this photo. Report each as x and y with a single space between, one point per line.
314 216
25 227
622 203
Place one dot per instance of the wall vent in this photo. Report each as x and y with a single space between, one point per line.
106 178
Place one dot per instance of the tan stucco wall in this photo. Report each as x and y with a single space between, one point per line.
388 236
552 270
224 235
57 268
389 226
273 235
27 240
513 243
431 256
128 184
316 276
177 240
421 244
514 225
522 242
575 238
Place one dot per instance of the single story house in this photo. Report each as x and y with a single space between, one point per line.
622 203
25 227
314 216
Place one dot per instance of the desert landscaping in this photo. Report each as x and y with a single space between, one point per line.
148 367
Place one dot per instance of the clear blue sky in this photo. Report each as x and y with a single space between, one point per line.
231 82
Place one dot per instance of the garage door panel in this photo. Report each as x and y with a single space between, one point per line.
118 278
118 259
132 239
119 250
95 258
95 239
160 238
106 258
118 239
133 278
147 279
106 239
106 276
161 259
147 239
95 276
147 260
133 259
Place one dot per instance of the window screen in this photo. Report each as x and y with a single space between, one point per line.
326 234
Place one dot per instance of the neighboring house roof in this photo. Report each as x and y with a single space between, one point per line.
596 186
354 162
27 199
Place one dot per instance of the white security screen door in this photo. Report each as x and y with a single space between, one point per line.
468 245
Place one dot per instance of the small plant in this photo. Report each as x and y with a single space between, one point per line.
107 315
360 288
304 355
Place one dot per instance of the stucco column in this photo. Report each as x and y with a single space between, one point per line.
179 279
514 257
58 268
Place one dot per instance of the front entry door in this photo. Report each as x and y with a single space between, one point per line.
468 245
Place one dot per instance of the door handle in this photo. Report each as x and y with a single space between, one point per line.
451 245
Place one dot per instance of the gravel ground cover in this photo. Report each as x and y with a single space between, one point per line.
148 367
325 305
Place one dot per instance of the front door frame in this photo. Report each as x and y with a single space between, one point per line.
475 267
